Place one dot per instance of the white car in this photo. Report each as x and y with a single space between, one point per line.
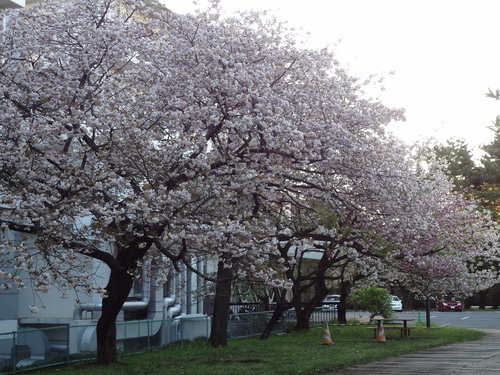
396 303
330 302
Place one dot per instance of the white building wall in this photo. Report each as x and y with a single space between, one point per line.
4 4
53 308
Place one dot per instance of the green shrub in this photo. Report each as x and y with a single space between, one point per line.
375 300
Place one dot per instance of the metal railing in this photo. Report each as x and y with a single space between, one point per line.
31 348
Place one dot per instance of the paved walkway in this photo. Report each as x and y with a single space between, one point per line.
480 357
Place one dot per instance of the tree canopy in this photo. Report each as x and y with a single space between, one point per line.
129 133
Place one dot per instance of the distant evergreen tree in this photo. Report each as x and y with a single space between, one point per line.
483 179
460 164
488 192
491 160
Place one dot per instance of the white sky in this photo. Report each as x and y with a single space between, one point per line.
444 55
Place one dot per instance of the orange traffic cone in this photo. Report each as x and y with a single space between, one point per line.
381 333
327 339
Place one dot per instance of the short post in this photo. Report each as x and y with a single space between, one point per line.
68 338
14 352
428 311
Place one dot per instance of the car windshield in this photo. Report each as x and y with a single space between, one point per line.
450 298
331 298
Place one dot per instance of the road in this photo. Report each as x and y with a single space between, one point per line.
464 319
476 319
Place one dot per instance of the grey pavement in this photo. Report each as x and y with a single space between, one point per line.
471 357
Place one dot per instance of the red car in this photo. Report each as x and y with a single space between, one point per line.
449 303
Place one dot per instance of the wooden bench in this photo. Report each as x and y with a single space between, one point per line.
405 331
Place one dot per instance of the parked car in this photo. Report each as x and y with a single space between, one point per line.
449 303
396 303
330 302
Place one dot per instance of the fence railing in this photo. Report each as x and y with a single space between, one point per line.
31 348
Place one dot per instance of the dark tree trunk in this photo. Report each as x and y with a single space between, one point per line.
118 289
305 310
342 306
119 285
482 299
275 317
302 320
264 299
468 303
495 300
281 306
218 335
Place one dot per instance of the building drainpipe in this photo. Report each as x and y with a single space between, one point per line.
146 291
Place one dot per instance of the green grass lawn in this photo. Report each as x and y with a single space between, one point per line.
294 353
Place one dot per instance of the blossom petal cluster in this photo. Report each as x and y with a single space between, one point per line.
130 132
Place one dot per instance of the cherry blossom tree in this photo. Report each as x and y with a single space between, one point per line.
130 133
403 225
457 245
126 128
